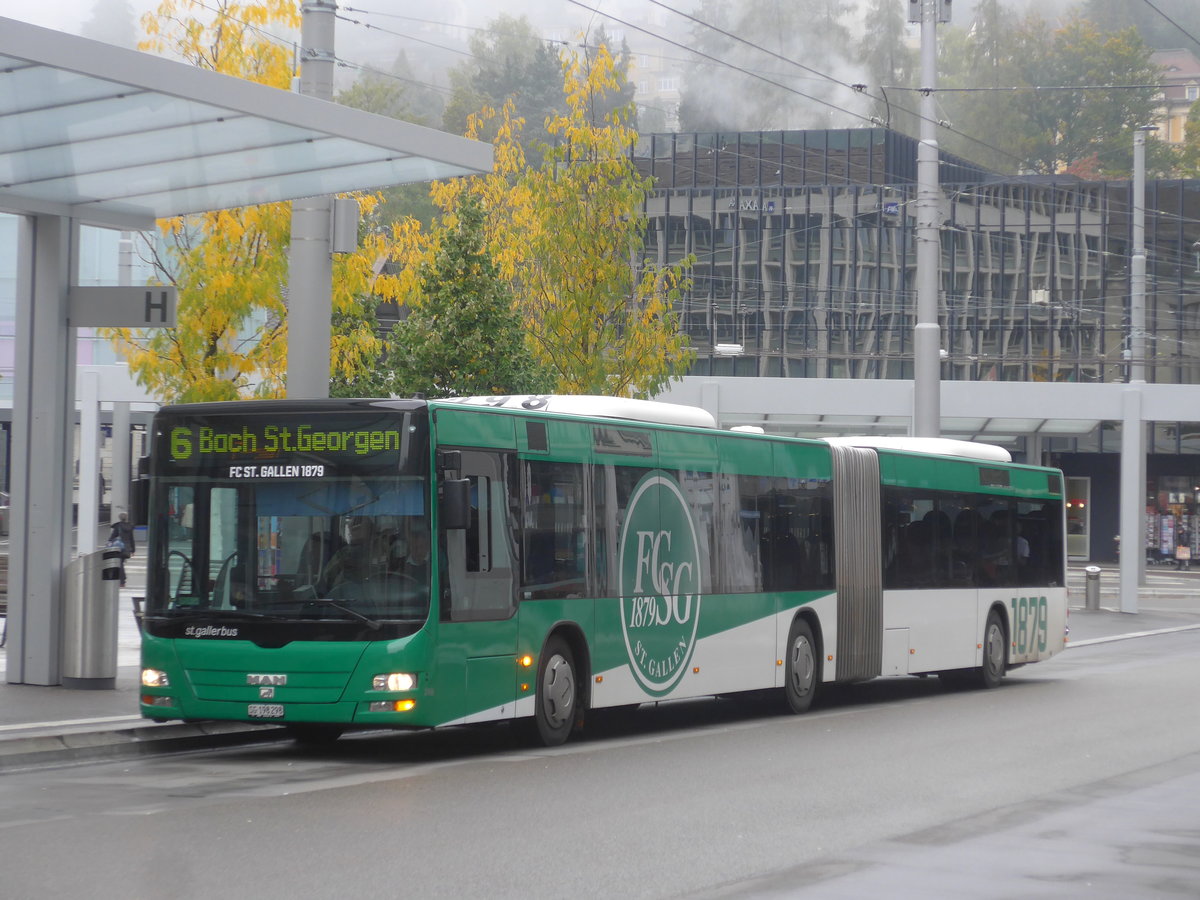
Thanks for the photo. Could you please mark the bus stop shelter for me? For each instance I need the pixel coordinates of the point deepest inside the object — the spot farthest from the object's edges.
(98, 135)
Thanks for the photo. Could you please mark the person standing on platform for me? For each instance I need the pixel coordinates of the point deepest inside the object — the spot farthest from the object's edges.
(122, 531)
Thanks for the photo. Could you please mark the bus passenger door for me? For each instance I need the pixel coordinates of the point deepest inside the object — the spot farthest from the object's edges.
(478, 629)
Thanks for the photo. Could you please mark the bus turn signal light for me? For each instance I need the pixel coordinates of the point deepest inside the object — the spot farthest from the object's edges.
(393, 705)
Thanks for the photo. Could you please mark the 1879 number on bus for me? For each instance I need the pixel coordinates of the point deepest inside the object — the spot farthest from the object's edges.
(1030, 624)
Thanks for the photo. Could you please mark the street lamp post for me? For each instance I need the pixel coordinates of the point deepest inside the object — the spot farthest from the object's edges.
(1133, 430)
(927, 391)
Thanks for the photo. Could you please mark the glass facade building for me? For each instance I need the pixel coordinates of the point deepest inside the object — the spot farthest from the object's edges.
(805, 260)
(805, 254)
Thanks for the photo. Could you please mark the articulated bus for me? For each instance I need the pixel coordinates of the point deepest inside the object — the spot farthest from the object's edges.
(371, 564)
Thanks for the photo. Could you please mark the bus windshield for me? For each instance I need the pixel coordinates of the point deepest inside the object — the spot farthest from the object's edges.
(309, 534)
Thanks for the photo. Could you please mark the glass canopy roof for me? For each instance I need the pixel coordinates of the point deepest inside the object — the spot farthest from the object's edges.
(116, 137)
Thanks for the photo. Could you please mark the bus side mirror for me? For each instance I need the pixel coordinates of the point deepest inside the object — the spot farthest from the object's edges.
(455, 512)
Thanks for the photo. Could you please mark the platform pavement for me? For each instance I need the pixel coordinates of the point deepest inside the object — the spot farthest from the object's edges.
(56, 725)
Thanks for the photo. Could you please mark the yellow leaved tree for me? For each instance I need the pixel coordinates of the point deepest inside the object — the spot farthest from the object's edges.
(230, 266)
(568, 235)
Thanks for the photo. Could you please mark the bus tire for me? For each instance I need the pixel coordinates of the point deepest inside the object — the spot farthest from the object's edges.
(802, 669)
(557, 701)
(314, 735)
(995, 651)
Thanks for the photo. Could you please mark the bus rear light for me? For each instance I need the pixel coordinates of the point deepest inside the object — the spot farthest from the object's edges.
(155, 678)
(394, 681)
(392, 705)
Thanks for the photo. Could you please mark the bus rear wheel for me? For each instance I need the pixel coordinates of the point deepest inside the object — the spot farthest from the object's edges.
(557, 701)
(995, 655)
(802, 671)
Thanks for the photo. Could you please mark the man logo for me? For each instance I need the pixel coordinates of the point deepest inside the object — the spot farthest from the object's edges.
(660, 583)
(275, 680)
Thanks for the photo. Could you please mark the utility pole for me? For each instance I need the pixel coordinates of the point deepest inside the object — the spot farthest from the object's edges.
(310, 270)
(1133, 429)
(1137, 264)
(927, 341)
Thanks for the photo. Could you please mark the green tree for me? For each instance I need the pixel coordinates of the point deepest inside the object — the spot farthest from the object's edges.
(463, 336)
(567, 233)
(509, 62)
(1049, 98)
(398, 95)
(1066, 126)
(1167, 25)
(1189, 156)
(977, 68)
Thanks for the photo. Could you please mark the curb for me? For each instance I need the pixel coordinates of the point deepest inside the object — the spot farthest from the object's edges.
(37, 751)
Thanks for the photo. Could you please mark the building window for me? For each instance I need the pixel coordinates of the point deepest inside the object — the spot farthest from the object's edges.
(1193, 91)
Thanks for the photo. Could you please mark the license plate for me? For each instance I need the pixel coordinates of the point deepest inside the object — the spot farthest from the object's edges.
(265, 710)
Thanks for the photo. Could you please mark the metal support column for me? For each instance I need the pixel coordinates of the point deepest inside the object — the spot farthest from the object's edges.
(43, 423)
(1133, 497)
(122, 452)
(927, 340)
(310, 270)
(88, 503)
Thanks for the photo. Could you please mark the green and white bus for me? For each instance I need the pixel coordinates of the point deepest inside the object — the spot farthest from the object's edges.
(349, 564)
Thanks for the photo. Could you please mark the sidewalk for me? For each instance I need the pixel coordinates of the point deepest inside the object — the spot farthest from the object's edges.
(51, 725)
(46, 725)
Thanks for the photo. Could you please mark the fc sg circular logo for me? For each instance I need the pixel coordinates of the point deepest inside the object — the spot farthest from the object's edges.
(660, 583)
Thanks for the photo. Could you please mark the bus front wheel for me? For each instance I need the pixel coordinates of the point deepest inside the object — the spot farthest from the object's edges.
(557, 699)
(802, 672)
(995, 641)
(314, 735)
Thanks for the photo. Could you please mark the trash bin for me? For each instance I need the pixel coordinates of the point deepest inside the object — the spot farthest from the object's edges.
(90, 621)
(1092, 587)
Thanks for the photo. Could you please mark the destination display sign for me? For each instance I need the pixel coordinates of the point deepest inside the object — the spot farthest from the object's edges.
(191, 441)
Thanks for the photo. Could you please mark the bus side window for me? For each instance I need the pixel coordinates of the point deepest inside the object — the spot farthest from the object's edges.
(554, 541)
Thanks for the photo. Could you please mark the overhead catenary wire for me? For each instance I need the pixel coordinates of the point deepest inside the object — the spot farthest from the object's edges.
(1191, 37)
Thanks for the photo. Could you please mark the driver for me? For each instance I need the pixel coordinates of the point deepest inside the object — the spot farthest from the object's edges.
(360, 559)
(416, 563)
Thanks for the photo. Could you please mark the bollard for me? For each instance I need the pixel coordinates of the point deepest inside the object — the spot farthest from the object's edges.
(1092, 587)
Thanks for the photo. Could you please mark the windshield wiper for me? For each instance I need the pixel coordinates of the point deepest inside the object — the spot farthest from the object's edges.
(207, 613)
(369, 622)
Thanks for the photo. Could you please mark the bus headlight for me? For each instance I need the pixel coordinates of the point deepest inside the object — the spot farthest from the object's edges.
(394, 681)
(155, 678)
